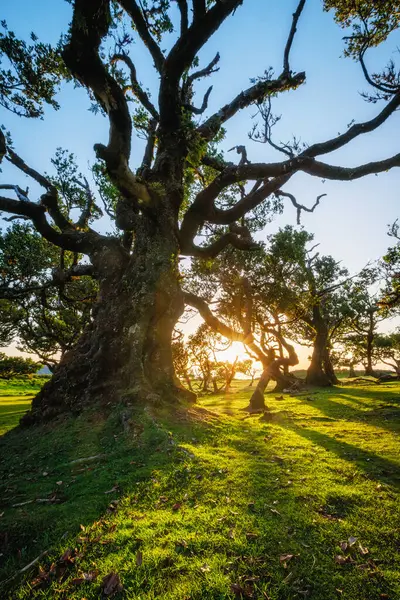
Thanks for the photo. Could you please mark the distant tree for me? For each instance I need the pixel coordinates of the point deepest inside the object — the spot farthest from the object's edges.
(44, 306)
(390, 297)
(366, 315)
(248, 307)
(387, 347)
(15, 366)
(314, 290)
(183, 186)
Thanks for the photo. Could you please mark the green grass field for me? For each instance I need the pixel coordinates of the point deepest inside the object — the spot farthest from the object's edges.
(208, 503)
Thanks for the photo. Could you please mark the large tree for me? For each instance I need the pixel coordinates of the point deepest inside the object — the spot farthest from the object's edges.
(182, 187)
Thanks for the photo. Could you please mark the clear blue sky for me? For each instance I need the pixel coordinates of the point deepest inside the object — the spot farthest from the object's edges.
(351, 222)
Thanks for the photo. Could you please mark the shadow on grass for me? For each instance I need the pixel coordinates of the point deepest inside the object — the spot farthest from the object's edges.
(237, 511)
(374, 466)
(382, 407)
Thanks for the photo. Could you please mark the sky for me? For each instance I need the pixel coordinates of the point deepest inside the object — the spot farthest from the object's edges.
(351, 221)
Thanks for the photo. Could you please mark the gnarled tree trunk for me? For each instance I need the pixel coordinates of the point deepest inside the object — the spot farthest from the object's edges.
(316, 374)
(126, 351)
(328, 367)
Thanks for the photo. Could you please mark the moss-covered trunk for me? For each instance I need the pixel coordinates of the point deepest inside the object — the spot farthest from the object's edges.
(126, 351)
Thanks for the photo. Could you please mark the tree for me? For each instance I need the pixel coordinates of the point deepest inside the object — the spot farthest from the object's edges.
(15, 366)
(44, 307)
(182, 187)
(388, 350)
(313, 292)
(249, 307)
(390, 264)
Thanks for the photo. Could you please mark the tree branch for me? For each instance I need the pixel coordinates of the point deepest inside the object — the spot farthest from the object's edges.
(183, 7)
(293, 29)
(132, 8)
(136, 88)
(298, 206)
(255, 93)
(90, 23)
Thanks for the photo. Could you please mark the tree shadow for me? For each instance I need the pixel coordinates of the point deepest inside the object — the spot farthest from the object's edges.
(374, 466)
(386, 414)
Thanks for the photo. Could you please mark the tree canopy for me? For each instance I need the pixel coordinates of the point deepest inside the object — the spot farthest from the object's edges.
(185, 198)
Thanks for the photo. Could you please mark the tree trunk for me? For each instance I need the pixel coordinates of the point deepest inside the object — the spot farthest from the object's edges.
(352, 372)
(257, 401)
(328, 368)
(369, 369)
(125, 353)
(316, 374)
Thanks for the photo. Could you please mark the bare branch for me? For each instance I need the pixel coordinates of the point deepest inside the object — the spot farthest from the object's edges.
(132, 8)
(293, 29)
(255, 93)
(354, 131)
(243, 152)
(204, 106)
(298, 206)
(74, 241)
(208, 70)
(183, 7)
(135, 86)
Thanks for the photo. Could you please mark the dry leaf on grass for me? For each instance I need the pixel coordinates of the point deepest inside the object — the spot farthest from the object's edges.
(112, 584)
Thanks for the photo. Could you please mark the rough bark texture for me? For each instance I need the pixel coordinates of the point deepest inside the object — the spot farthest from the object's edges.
(126, 351)
(316, 374)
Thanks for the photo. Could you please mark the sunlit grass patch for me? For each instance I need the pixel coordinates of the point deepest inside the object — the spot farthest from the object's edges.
(213, 504)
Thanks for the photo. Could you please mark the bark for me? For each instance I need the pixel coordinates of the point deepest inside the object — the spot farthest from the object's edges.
(352, 372)
(272, 370)
(328, 368)
(369, 369)
(126, 351)
(316, 373)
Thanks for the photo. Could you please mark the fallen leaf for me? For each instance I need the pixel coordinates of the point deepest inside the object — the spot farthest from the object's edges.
(341, 560)
(139, 558)
(176, 506)
(115, 488)
(205, 568)
(352, 540)
(58, 482)
(231, 535)
(285, 557)
(67, 557)
(343, 546)
(112, 584)
(363, 551)
(251, 536)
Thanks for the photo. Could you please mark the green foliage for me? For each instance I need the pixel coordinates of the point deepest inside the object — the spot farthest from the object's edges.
(15, 366)
(30, 74)
(42, 311)
(371, 22)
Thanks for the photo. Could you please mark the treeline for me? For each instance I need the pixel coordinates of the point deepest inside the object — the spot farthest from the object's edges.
(282, 293)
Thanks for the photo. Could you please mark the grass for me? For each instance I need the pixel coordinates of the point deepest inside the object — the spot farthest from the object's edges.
(15, 399)
(205, 504)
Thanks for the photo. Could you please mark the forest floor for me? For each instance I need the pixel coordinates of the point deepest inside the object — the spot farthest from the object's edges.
(205, 503)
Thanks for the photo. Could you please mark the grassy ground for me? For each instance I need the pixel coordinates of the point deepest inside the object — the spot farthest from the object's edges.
(210, 503)
(15, 399)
